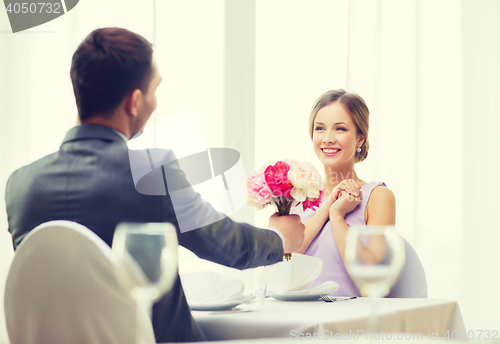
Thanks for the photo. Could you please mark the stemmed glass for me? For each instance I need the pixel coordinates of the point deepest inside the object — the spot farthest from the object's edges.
(147, 255)
(374, 258)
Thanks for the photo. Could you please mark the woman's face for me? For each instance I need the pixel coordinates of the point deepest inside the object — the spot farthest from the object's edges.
(335, 137)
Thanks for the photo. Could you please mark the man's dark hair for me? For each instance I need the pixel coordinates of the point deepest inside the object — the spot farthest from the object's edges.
(109, 64)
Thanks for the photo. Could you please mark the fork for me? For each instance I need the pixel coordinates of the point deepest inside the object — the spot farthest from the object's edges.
(333, 299)
(326, 298)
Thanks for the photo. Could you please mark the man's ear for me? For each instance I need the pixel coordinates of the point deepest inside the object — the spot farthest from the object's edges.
(133, 102)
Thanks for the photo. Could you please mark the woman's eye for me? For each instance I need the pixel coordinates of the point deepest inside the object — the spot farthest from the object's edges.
(318, 128)
(341, 129)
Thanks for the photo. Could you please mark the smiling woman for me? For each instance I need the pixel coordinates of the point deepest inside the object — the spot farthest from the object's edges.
(338, 127)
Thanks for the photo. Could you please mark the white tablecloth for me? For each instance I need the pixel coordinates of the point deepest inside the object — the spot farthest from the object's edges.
(279, 319)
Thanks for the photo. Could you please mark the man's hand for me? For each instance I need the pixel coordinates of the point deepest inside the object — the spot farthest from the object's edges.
(291, 228)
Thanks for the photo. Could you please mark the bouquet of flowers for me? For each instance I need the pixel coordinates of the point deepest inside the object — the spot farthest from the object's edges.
(285, 184)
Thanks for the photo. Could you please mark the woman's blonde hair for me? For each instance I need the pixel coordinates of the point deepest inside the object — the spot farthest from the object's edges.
(355, 106)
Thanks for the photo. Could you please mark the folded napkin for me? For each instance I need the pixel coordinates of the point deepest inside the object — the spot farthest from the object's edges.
(293, 276)
(211, 288)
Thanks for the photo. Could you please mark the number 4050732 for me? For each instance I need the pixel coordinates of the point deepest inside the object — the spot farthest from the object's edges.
(33, 7)
(471, 335)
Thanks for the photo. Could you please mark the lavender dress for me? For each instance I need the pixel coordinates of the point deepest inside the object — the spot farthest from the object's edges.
(411, 283)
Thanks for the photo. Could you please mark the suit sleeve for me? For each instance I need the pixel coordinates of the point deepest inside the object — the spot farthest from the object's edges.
(222, 240)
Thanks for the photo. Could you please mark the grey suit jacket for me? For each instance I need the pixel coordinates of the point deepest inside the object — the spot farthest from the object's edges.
(89, 181)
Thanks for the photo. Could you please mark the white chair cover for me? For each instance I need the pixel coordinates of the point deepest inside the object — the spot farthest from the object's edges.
(65, 286)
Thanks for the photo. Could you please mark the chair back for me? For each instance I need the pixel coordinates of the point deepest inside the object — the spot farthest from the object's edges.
(65, 286)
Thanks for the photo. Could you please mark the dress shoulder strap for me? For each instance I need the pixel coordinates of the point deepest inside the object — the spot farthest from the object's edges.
(357, 216)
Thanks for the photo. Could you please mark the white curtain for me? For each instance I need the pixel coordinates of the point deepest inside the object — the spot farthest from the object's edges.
(430, 74)
(479, 253)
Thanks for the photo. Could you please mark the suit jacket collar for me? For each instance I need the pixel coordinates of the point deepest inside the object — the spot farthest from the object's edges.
(93, 131)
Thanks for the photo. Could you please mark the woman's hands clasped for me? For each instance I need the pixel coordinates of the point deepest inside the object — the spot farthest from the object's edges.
(345, 197)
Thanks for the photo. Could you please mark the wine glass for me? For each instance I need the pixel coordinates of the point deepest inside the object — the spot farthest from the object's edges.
(147, 256)
(374, 258)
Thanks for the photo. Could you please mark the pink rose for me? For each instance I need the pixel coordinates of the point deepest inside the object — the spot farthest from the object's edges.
(257, 190)
(277, 179)
(313, 203)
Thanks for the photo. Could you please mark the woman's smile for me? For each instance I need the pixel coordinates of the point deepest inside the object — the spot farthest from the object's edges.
(330, 151)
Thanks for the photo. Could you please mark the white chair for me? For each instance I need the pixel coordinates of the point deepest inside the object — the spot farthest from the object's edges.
(65, 286)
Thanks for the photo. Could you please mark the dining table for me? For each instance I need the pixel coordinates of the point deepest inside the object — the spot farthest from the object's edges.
(401, 319)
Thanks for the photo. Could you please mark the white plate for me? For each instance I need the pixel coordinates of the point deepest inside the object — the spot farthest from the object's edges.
(295, 297)
(214, 307)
